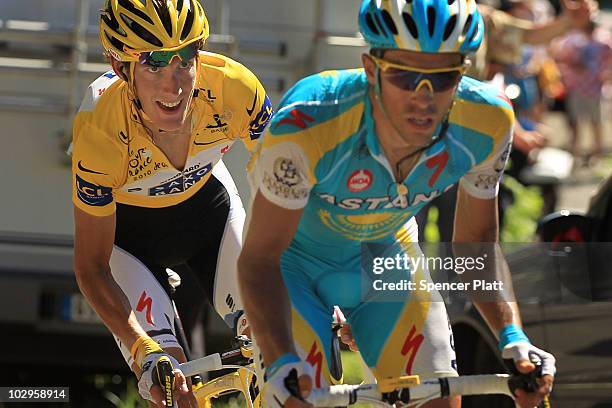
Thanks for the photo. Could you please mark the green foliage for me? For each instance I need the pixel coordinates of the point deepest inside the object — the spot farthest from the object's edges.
(521, 218)
(351, 368)
(432, 233)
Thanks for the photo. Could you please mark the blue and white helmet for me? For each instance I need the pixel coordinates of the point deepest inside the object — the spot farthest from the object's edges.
(432, 26)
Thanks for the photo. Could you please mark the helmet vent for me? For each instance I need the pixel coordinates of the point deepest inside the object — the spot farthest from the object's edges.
(389, 21)
(161, 7)
(380, 25)
(450, 2)
(188, 24)
(473, 34)
(466, 27)
(179, 6)
(408, 1)
(450, 26)
(141, 31)
(411, 25)
(115, 42)
(431, 20)
(370, 23)
(126, 4)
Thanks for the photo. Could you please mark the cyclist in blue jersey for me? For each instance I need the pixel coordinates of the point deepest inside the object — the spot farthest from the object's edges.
(348, 160)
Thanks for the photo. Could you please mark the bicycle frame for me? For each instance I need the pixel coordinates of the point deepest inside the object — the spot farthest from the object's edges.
(240, 380)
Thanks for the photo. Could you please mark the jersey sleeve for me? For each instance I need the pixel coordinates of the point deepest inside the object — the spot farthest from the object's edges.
(253, 104)
(282, 167)
(95, 163)
(482, 180)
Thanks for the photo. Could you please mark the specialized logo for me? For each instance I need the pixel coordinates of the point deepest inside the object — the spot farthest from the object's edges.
(359, 180)
(315, 359)
(146, 302)
(181, 183)
(259, 123)
(86, 170)
(229, 301)
(224, 149)
(93, 194)
(297, 119)
(439, 162)
(411, 347)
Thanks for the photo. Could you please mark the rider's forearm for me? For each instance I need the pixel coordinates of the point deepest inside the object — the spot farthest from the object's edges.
(499, 314)
(498, 307)
(267, 306)
(109, 302)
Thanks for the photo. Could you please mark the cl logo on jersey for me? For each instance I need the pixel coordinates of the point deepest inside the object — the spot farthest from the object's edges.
(92, 194)
(359, 180)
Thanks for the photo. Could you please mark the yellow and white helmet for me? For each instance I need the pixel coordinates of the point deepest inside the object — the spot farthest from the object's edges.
(130, 27)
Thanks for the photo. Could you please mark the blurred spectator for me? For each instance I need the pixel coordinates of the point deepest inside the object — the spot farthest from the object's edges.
(505, 36)
(584, 59)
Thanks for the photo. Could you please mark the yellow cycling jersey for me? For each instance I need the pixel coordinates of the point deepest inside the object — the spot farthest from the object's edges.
(115, 160)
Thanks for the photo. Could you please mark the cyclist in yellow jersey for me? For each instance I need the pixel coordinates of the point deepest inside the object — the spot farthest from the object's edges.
(347, 161)
(150, 190)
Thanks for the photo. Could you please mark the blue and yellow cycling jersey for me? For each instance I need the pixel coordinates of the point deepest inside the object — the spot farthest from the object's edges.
(321, 153)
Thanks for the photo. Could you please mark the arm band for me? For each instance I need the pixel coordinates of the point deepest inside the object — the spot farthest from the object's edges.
(142, 347)
(282, 360)
(511, 334)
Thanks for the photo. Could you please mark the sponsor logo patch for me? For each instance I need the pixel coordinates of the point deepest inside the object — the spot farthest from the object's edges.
(181, 183)
(93, 194)
(285, 180)
(359, 180)
(298, 119)
(258, 124)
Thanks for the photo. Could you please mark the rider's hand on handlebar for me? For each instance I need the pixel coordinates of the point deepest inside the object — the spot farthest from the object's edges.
(150, 357)
(288, 381)
(524, 355)
(146, 387)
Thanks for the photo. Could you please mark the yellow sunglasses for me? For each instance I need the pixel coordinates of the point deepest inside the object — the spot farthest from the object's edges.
(412, 78)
